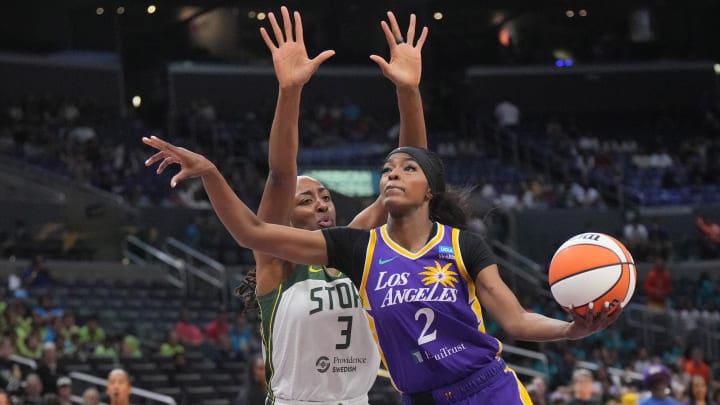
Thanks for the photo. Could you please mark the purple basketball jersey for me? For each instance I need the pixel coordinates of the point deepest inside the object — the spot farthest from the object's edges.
(424, 312)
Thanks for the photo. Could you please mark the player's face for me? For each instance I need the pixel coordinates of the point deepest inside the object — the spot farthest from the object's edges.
(403, 182)
(118, 386)
(314, 208)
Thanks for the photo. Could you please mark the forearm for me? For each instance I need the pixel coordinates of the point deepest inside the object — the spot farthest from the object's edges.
(412, 117)
(295, 245)
(238, 219)
(534, 327)
(283, 145)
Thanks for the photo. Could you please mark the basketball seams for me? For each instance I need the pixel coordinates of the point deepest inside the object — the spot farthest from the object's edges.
(577, 273)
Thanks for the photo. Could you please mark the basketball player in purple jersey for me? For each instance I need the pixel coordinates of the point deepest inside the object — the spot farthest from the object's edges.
(422, 279)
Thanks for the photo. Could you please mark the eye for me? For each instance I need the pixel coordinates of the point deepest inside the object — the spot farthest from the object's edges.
(326, 198)
(410, 168)
(385, 170)
(305, 201)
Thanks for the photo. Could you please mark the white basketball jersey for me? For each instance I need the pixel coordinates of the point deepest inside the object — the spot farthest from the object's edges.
(318, 346)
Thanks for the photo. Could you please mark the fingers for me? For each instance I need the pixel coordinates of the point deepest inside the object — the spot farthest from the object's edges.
(411, 30)
(423, 36)
(154, 158)
(178, 178)
(394, 25)
(165, 163)
(276, 29)
(298, 28)
(287, 24)
(388, 34)
(266, 37)
(322, 57)
(380, 61)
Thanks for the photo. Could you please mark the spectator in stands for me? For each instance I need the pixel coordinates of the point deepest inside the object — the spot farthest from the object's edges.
(710, 229)
(64, 390)
(255, 391)
(45, 311)
(218, 326)
(696, 364)
(37, 275)
(658, 284)
(241, 336)
(657, 380)
(91, 396)
(119, 387)
(698, 393)
(172, 345)
(92, 334)
(33, 389)
(10, 374)
(49, 369)
(50, 399)
(539, 386)
(507, 114)
(4, 398)
(582, 386)
(30, 345)
(189, 333)
(660, 244)
(635, 236)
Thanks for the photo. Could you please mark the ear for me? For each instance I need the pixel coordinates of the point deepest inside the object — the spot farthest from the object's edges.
(428, 194)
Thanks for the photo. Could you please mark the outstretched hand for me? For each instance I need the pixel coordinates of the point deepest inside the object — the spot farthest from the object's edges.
(292, 65)
(191, 163)
(589, 323)
(405, 65)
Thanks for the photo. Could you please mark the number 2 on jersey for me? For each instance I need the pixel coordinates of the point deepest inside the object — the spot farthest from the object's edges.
(426, 337)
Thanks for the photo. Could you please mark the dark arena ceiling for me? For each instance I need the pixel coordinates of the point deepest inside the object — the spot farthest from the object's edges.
(462, 32)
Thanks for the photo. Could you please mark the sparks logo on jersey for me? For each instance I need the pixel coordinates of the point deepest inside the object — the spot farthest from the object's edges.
(446, 252)
(439, 284)
(439, 275)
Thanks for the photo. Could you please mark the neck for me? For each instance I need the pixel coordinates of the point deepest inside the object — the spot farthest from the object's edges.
(410, 231)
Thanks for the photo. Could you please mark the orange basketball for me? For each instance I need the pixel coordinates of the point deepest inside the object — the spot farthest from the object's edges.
(592, 267)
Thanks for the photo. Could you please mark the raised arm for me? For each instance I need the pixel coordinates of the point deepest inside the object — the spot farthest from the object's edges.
(295, 245)
(502, 304)
(293, 69)
(405, 70)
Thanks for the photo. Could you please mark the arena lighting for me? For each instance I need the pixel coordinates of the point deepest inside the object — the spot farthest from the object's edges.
(252, 14)
(99, 11)
(438, 15)
(151, 9)
(716, 68)
(583, 13)
(261, 16)
(120, 10)
(136, 101)
(570, 14)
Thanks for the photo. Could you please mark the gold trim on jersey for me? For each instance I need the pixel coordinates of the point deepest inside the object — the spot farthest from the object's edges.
(402, 251)
(366, 303)
(366, 270)
(472, 296)
(268, 341)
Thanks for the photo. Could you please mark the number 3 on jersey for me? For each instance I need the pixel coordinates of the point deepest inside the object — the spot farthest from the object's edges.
(429, 315)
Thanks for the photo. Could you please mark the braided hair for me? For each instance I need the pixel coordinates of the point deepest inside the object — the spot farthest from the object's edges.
(245, 290)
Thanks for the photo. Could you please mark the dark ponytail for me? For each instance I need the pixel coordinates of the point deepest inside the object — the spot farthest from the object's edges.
(451, 207)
